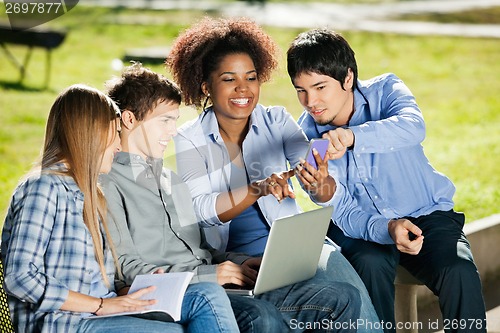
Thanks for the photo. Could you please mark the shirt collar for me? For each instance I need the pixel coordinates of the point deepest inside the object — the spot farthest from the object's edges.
(68, 182)
(211, 126)
(131, 158)
(126, 158)
(359, 104)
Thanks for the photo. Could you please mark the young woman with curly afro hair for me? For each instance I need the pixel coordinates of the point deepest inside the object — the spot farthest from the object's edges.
(198, 51)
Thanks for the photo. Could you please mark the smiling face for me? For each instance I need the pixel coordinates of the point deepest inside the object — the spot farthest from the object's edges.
(150, 137)
(323, 97)
(113, 146)
(234, 87)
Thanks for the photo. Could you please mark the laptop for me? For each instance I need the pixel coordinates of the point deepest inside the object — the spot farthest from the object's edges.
(292, 252)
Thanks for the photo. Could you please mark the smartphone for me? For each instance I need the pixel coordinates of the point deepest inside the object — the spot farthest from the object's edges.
(321, 146)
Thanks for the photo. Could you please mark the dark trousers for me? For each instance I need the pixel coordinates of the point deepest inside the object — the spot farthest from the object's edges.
(444, 264)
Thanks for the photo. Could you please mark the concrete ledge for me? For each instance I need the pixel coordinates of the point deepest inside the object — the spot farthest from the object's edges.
(405, 302)
(484, 238)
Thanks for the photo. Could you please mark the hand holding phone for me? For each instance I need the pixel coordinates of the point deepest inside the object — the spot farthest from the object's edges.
(321, 146)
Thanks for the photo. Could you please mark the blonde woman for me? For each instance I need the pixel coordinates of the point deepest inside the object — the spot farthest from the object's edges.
(58, 257)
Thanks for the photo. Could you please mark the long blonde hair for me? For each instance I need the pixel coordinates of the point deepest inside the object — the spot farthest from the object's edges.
(77, 135)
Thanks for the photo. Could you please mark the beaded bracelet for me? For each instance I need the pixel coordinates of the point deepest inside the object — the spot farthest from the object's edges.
(99, 308)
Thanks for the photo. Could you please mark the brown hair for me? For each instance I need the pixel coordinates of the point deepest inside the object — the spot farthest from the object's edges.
(197, 52)
(139, 90)
(76, 134)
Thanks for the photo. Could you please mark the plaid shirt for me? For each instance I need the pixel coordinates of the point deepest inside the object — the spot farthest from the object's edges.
(47, 250)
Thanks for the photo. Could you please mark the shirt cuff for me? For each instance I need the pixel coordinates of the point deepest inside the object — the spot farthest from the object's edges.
(238, 258)
(359, 146)
(205, 273)
(382, 235)
(53, 298)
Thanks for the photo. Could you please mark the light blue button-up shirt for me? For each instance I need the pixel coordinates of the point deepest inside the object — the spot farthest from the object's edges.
(274, 142)
(386, 175)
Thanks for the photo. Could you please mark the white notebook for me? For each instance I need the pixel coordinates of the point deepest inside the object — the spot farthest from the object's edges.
(169, 293)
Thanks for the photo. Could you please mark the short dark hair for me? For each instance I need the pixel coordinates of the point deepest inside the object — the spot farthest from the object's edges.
(324, 52)
(139, 90)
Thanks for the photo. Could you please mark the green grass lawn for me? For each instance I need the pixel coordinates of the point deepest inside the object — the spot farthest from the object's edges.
(455, 81)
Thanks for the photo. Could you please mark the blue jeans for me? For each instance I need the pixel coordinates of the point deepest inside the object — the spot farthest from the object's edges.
(334, 267)
(257, 316)
(205, 307)
(316, 306)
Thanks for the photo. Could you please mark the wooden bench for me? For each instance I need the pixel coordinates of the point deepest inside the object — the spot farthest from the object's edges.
(148, 55)
(34, 37)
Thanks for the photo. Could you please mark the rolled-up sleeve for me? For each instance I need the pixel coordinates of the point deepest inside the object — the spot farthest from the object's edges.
(197, 178)
(32, 222)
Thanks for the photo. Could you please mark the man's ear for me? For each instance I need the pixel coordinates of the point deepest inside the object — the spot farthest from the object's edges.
(349, 79)
(128, 119)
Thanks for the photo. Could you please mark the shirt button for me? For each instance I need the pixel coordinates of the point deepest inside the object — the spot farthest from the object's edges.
(362, 148)
(392, 148)
(366, 179)
(178, 234)
(376, 197)
(197, 257)
(358, 155)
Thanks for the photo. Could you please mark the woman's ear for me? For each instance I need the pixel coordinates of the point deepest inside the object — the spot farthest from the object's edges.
(128, 119)
(204, 89)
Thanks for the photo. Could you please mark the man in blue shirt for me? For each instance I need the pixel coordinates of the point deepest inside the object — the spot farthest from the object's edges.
(391, 206)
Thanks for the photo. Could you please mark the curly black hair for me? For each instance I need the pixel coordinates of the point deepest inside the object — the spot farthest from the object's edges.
(197, 52)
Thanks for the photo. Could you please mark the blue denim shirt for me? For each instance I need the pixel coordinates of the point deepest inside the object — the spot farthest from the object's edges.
(386, 175)
(47, 250)
(274, 142)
